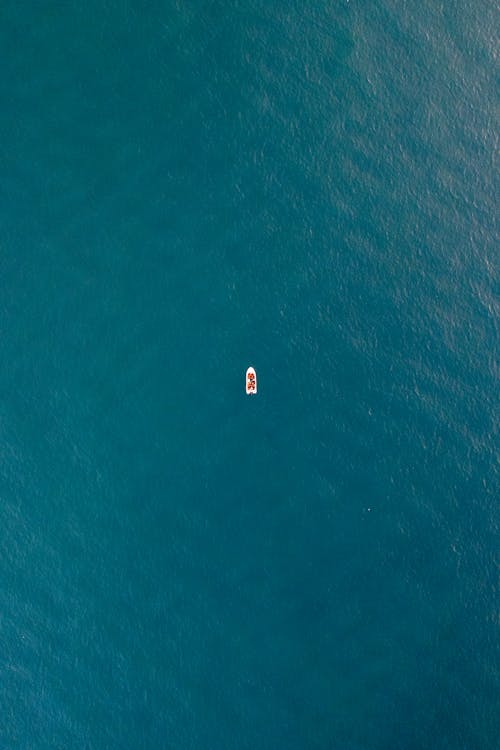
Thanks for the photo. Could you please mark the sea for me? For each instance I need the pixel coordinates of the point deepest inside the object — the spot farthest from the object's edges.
(188, 188)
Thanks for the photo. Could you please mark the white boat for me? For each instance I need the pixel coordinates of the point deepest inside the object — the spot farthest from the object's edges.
(251, 382)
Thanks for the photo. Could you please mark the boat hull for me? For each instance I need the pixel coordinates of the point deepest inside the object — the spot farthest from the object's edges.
(251, 382)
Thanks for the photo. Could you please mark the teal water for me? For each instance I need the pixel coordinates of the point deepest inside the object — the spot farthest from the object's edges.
(188, 188)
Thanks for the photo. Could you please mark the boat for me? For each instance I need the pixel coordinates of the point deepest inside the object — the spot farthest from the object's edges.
(251, 382)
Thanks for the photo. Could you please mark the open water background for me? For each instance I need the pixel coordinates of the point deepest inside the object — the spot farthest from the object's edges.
(187, 188)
